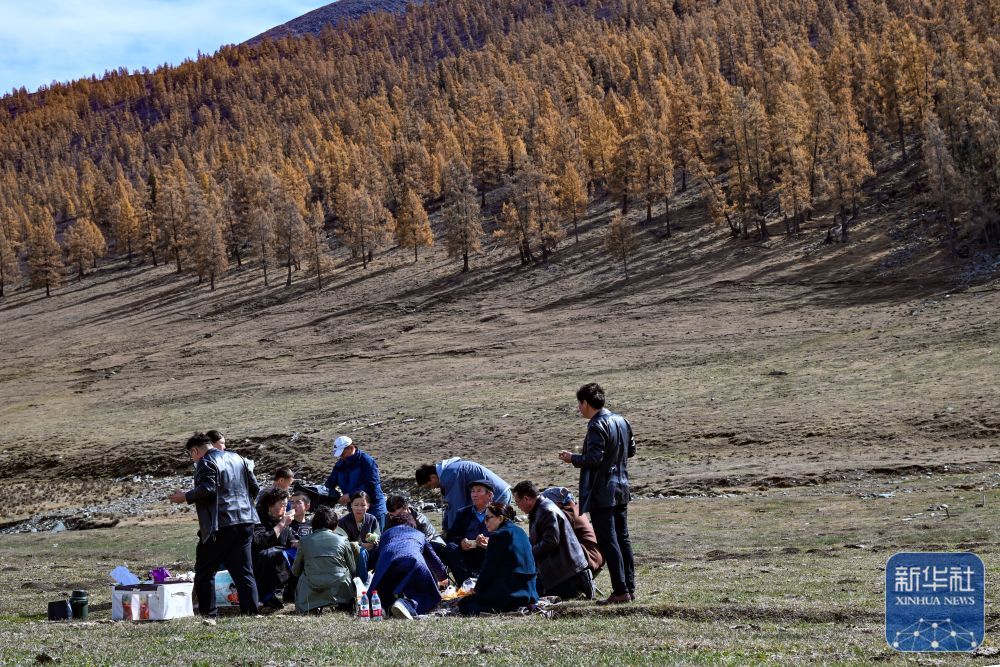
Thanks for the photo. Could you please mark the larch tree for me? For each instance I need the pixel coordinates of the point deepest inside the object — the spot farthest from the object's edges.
(413, 226)
(292, 233)
(171, 214)
(123, 217)
(463, 222)
(263, 221)
(10, 246)
(84, 244)
(849, 164)
(205, 208)
(316, 244)
(571, 195)
(45, 262)
(619, 239)
(943, 179)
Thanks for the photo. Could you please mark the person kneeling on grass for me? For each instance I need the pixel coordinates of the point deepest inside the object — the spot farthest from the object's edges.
(325, 565)
(582, 527)
(409, 573)
(270, 539)
(561, 561)
(507, 577)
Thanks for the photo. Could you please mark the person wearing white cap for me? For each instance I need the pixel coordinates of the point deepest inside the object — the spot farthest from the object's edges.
(356, 471)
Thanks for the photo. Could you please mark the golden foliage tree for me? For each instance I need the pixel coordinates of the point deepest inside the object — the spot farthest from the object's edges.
(84, 244)
(45, 262)
(619, 239)
(413, 226)
(463, 222)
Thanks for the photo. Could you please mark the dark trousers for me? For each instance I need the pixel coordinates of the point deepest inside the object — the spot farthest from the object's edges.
(230, 546)
(611, 529)
(267, 568)
(579, 585)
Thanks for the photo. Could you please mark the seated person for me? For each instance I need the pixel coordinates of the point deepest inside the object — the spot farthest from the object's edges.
(363, 528)
(453, 477)
(409, 574)
(561, 561)
(468, 535)
(507, 578)
(283, 479)
(582, 527)
(270, 539)
(325, 566)
(301, 524)
(300, 527)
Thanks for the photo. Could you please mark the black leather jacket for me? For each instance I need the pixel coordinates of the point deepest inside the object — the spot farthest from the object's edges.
(557, 552)
(603, 463)
(224, 491)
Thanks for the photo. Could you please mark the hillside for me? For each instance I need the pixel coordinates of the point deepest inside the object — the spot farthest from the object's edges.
(312, 23)
(741, 363)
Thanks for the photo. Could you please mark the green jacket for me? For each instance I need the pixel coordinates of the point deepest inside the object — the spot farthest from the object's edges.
(326, 565)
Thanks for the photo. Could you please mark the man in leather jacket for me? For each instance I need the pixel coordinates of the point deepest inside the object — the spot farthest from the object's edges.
(223, 494)
(604, 487)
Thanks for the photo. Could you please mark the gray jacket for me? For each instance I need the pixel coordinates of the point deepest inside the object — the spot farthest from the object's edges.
(224, 492)
(603, 463)
(558, 554)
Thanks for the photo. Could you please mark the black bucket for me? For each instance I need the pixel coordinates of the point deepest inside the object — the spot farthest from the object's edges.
(60, 610)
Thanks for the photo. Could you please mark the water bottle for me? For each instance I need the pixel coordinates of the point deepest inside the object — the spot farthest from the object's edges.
(363, 611)
(376, 607)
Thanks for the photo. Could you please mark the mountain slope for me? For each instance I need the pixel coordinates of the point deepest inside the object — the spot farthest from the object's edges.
(331, 14)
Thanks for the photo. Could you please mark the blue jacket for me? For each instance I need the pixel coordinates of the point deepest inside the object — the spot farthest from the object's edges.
(603, 463)
(359, 473)
(455, 475)
(507, 578)
(223, 493)
(408, 567)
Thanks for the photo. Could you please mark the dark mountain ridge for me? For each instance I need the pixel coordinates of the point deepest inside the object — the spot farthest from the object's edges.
(312, 23)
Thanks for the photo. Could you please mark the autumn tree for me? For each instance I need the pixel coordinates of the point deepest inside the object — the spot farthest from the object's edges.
(943, 178)
(571, 196)
(10, 245)
(123, 218)
(84, 244)
(463, 222)
(619, 240)
(316, 244)
(45, 263)
(413, 227)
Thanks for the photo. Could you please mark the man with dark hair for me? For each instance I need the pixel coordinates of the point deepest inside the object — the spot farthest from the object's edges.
(604, 486)
(223, 493)
(270, 539)
(284, 478)
(453, 476)
(561, 561)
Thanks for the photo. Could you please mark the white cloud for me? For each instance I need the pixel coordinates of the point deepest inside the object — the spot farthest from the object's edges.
(61, 40)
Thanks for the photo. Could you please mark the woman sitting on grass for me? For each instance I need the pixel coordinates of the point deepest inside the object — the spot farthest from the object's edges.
(507, 577)
(363, 528)
(326, 566)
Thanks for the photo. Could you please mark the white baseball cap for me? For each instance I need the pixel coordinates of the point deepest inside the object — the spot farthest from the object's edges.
(341, 443)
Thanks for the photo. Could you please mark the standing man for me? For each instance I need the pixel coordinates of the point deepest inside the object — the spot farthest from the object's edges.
(453, 476)
(604, 488)
(223, 493)
(356, 471)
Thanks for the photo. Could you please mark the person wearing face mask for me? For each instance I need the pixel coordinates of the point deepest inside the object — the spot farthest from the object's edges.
(507, 577)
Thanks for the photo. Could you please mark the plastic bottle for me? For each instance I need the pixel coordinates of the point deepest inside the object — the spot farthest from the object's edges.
(364, 614)
(376, 607)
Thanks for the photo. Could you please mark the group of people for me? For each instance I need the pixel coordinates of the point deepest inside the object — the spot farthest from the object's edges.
(276, 554)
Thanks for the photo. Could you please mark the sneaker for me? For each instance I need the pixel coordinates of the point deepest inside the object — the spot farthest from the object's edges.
(401, 610)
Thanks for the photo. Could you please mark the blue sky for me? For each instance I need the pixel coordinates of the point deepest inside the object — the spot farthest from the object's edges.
(60, 40)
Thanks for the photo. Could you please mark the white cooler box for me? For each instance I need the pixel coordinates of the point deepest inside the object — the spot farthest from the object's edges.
(152, 602)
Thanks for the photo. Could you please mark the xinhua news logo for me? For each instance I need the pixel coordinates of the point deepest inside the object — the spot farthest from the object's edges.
(934, 602)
